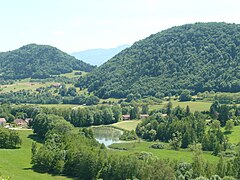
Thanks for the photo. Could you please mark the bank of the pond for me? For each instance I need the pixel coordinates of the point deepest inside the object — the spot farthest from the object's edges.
(107, 135)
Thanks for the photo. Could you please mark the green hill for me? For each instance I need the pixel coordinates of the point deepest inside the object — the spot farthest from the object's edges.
(38, 61)
(198, 57)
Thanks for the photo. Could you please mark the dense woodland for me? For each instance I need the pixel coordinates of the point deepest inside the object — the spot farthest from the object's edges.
(38, 62)
(198, 57)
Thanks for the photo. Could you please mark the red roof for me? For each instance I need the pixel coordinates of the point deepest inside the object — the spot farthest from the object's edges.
(3, 120)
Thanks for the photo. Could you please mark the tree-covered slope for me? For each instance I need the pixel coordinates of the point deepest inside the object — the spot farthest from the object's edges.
(38, 61)
(199, 57)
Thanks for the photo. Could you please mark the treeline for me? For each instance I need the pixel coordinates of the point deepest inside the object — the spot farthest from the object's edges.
(79, 117)
(9, 139)
(223, 113)
(181, 128)
(38, 62)
(47, 97)
(77, 154)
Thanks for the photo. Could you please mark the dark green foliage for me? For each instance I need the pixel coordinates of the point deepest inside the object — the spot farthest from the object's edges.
(179, 129)
(197, 57)
(9, 138)
(38, 62)
(79, 155)
(46, 96)
(185, 96)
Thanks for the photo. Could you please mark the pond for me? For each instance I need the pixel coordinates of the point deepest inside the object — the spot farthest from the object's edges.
(107, 135)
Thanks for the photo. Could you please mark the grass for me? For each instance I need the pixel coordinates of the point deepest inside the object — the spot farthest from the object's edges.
(17, 86)
(194, 105)
(59, 106)
(72, 74)
(127, 125)
(15, 163)
(234, 135)
(183, 155)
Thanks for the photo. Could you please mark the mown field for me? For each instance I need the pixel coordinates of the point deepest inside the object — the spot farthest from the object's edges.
(127, 125)
(194, 105)
(73, 75)
(143, 146)
(15, 163)
(17, 86)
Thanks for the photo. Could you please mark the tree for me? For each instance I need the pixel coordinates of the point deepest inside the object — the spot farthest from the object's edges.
(145, 109)
(134, 112)
(188, 111)
(223, 114)
(176, 141)
(185, 96)
(214, 109)
(9, 138)
(229, 125)
(169, 108)
(198, 164)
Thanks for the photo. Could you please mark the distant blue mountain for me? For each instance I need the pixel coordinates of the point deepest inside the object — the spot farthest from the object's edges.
(98, 56)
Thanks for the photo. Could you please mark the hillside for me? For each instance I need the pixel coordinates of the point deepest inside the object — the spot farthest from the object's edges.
(38, 61)
(98, 56)
(198, 57)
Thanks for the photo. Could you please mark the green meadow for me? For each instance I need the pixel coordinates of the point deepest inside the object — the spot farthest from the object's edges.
(142, 146)
(17, 86)
(194, 105)
(127, 125)
(15, 163)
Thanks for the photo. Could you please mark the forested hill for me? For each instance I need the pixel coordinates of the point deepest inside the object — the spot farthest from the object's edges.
(199, 57)
(38, 61)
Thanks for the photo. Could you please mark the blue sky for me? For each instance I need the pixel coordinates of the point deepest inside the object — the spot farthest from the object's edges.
(74, 25)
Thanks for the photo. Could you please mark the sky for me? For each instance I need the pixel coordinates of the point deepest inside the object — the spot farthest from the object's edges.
(76, 25)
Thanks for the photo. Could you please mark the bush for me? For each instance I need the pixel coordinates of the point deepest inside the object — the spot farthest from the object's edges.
(158, 146)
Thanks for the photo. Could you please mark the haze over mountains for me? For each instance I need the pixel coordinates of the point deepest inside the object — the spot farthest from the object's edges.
(198, 57)
(98, 56)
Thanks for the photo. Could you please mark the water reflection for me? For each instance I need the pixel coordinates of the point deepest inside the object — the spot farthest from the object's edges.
(107, 135)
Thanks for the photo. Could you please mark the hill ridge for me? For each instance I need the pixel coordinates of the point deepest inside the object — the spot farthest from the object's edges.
(198, 57)
(38, 61)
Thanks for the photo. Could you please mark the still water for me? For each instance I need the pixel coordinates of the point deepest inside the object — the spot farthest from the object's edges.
(107, 135)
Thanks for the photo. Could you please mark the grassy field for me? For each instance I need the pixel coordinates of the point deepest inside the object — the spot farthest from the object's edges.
(17, 86)
(15, 163)
(194, 105)
(60, 105)
(72, 74)
(181, 155)
(127, 125)
(234, 135)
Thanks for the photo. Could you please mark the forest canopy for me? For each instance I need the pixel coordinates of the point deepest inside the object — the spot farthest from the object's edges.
(38, 62)
(196, 57)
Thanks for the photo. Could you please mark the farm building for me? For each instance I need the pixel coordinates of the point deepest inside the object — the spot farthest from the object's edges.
(126, 117)
(20, 122)
(142, 116)
(2, 121)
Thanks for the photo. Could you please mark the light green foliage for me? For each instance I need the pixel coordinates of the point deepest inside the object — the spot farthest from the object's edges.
(9, 139)
(229, 125)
